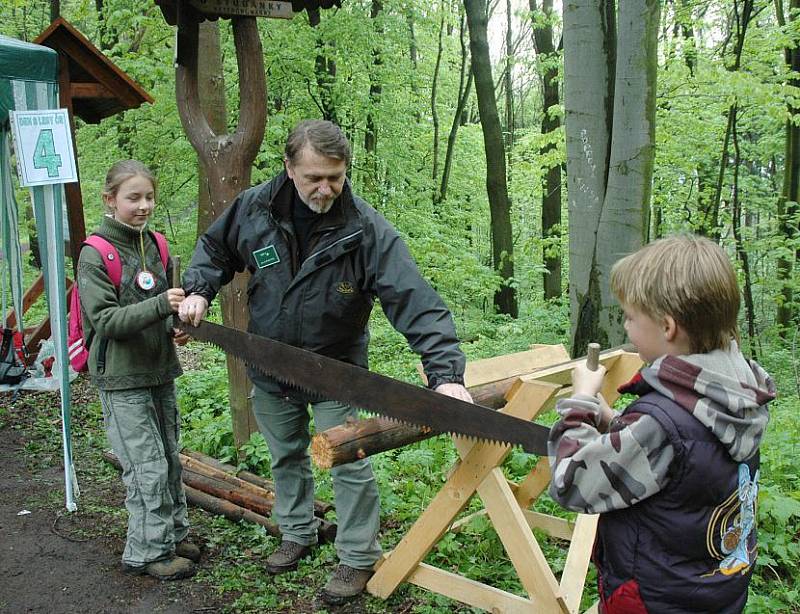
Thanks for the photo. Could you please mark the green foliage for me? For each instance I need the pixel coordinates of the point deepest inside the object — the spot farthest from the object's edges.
(451, 240)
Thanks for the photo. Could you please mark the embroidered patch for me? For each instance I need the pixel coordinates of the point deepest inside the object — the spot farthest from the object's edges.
(731, 524)
(345, 287)
(266, 256)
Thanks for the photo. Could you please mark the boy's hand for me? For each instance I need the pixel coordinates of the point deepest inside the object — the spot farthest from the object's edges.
(606, 413)
(175, 297)
(193, 309)
(585, 381)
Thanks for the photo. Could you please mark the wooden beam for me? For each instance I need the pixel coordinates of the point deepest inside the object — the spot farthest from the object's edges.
(573, 577)
(72, 191)
(560, 528)
(31, 295)
(469, 591)
(534, 483)
(90, 90)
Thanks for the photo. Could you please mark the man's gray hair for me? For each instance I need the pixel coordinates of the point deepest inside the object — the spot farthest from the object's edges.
(324, 137)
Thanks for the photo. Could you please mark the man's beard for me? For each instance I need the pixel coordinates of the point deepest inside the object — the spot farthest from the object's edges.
(319, 206)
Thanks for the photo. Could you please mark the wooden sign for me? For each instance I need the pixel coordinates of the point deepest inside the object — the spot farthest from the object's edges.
(43, 144)
(246, 8)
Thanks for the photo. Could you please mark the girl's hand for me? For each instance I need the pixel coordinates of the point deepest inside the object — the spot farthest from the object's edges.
(180, 337)
(175, 297)
(585, 381)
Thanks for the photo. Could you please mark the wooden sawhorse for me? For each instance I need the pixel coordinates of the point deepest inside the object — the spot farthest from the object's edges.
(506, 503)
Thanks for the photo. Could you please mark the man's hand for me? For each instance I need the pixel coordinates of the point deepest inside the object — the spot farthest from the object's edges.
(457, 391)
(586, 381)
(175, 297)
(193, 309)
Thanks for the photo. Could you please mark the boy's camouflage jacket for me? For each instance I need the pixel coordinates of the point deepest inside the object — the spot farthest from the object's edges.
(722, 389)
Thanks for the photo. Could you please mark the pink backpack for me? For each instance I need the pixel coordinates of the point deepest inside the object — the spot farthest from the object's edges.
(77, 347)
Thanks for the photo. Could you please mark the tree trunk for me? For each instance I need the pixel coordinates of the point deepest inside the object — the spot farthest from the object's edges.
(508, 76)
(325, 71)
(551, 196)
(375, 89)
(589, 63)
(505, 299)
(55, 9)
(741, 252)
(741, 21)
(626, 209)
(212, 83)
(463, 94)
(609, 95)
(227, 160)
(434, 109)
(790, 193)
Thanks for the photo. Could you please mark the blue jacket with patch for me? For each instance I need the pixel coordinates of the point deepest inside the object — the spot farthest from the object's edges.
(323, 302)
(692, 546)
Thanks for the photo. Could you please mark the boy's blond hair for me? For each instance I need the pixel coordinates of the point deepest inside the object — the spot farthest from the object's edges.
(688, 278)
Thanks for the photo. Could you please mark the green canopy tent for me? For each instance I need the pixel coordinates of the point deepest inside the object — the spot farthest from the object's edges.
(29, 81)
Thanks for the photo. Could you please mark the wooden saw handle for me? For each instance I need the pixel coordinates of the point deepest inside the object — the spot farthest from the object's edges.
(593, 356)
(176, 271)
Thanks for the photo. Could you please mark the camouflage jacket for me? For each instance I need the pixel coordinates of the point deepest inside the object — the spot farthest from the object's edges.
(595, 472)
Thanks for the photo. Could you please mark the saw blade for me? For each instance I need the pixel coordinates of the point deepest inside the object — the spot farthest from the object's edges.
(333, 379)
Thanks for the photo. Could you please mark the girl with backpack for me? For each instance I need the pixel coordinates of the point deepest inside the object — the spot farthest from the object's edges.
(127, 324)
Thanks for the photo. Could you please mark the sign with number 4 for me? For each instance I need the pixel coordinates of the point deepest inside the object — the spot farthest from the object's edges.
(43, 144)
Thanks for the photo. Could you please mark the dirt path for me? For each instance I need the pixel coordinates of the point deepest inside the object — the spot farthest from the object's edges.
(52, 562)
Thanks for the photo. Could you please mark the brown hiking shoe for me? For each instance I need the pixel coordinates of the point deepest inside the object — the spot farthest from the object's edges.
(345, 584)
(286, 557)
(188, 550)
(175, 568)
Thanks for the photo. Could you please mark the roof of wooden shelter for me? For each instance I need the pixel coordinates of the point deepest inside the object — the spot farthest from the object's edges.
(98, 87)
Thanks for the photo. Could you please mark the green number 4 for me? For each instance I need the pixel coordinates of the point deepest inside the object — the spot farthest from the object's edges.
(44, 154)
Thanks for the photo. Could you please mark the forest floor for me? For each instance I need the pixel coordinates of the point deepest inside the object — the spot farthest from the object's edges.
(55, 562)
(52, 561)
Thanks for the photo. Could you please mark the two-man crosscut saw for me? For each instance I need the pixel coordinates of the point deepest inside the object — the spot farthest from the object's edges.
(332, 379)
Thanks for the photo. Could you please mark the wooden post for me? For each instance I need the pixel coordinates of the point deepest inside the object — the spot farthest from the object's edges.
(227, 160)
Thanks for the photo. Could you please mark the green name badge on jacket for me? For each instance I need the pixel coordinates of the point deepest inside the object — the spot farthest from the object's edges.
(266, 256)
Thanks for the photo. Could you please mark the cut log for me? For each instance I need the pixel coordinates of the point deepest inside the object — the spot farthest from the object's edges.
(195, 465)
(356, 439)
(320, 507)
(229, 510)
(224, 490)
(228, 493)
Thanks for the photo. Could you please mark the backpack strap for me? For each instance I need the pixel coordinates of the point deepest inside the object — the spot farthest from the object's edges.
(163, 247)
(109, 255)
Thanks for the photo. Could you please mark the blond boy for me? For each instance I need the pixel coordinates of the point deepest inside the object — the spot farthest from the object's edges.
(674, 476)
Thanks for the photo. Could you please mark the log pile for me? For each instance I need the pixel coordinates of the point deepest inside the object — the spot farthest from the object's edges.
(237, 495)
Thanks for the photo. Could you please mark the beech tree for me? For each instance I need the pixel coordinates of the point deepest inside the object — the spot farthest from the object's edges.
(505, 299)
(610, 66)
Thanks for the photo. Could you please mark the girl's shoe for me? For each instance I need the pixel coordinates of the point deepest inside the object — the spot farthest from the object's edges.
(175, 568)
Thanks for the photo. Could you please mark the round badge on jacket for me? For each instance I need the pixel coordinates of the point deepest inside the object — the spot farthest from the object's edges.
(145, 280)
